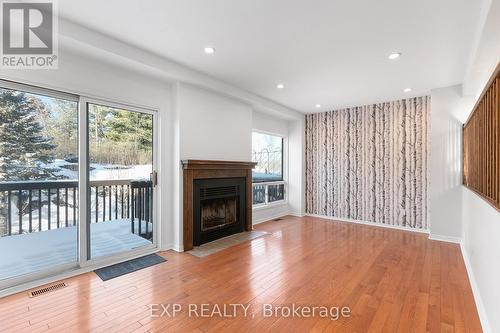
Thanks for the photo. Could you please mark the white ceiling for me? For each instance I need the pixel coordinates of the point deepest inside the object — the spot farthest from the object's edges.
(331, 52)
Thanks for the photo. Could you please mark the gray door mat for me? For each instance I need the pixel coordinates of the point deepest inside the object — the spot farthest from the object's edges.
(129, 266)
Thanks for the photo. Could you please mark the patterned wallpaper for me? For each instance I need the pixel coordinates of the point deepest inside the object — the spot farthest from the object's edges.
(370, 163)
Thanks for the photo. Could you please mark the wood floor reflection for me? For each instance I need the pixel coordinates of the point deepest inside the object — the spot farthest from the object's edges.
(392, 281)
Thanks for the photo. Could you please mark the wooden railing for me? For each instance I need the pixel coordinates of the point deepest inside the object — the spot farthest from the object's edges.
(32, 206)
(481, 144)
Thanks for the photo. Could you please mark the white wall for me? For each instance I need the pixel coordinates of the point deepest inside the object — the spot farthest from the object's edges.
(212, 126)
(267, 123)
(447, 108)
(482, 250)
(264, 214)
(296, 174)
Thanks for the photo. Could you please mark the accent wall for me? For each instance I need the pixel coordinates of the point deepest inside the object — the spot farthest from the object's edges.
(370, 163)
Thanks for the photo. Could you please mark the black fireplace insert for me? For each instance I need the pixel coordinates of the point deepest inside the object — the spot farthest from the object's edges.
(219, 208)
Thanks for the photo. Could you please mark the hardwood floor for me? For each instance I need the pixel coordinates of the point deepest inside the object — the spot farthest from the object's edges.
(392, 281)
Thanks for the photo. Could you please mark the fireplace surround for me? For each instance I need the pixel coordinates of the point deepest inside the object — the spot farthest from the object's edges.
(217, 199)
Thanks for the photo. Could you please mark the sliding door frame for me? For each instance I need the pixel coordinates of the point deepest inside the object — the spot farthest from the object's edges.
(82, 263)
(61, 268)
(85, 258)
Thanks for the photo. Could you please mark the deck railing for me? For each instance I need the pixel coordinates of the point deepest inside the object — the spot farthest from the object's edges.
(268, 192)
(33, 206)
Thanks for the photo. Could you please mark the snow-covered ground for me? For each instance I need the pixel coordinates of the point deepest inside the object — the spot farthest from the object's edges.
(103, 171)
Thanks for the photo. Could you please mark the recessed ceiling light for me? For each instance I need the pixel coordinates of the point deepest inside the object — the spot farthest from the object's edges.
(407, 89)
(280, 86)
(209, 50)
(395, 55)
(318, 105)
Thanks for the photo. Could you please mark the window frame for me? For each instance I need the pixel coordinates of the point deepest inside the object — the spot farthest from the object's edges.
(59, 268)
(30, 89)
(85, 257)
(284, 173)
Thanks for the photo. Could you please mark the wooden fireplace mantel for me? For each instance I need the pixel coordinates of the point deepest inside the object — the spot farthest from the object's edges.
(208, 164)
(206, 169)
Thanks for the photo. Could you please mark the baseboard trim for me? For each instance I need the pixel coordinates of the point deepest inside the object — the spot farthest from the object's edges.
(269, 218)
(483, 318)
(448, 239)
(373, 224)
(297, 214)
(178, 248)
(167, 247)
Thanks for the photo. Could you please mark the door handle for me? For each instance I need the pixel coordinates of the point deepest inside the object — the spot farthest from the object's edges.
(153, 177)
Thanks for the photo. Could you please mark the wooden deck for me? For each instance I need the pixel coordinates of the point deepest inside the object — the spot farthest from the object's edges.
(393, 281)
(38, 251)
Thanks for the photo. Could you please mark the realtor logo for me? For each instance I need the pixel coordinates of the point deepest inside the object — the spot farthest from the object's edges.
(28, 35)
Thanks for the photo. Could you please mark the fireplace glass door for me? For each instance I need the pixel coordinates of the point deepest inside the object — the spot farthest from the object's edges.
(218, 213)
(219, 206)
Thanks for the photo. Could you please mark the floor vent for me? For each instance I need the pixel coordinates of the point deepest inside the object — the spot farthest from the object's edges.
(45, 290)
(278, 219)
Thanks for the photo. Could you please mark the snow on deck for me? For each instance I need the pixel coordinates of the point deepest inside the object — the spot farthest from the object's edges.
(28, 253)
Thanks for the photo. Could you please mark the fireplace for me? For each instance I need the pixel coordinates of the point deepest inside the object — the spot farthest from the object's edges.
(217, 200)
(219, 208)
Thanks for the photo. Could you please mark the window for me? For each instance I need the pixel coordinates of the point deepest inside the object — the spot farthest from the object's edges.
(267, 176)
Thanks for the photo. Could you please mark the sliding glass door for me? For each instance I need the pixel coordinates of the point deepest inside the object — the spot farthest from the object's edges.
(77, 182)
(38, 181)
(121, 179)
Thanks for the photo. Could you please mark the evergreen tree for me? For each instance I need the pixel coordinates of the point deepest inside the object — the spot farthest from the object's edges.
(131, 133)
(132, 127)
(24, 149)
(62, 126)
(98, 125)
(119, 136)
